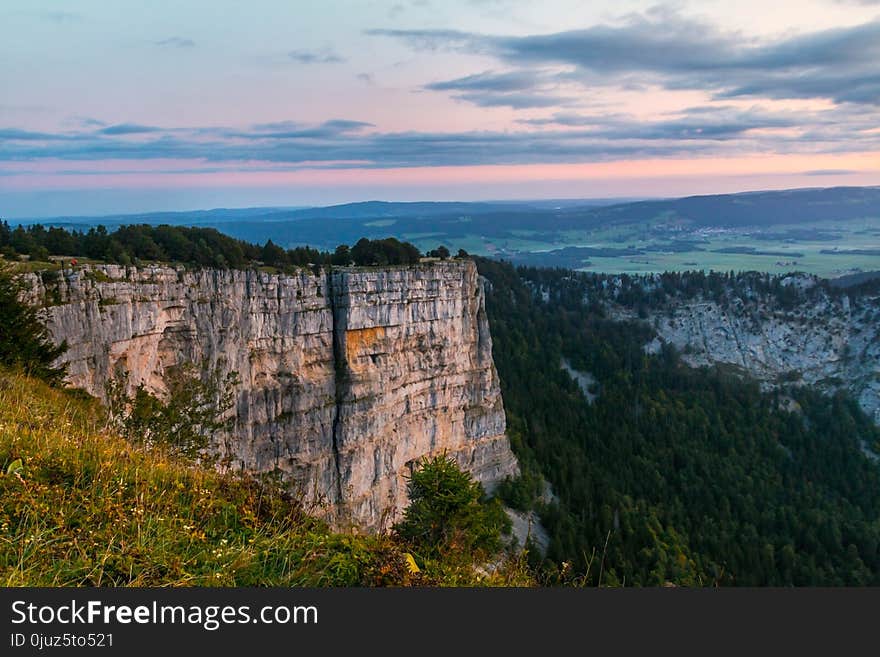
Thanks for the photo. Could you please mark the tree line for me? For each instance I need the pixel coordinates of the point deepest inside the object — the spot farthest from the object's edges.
(195, 247)
(657, 291)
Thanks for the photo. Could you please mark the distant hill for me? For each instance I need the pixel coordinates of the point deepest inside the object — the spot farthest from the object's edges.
(380, 209)
(761, 209)
(453, 221)
(362, 210)
(533, 232)
(210, 218)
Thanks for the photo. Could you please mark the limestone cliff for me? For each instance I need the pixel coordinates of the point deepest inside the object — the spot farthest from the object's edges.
(347, 377)
(832, 342)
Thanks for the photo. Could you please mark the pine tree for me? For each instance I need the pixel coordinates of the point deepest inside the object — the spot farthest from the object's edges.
(24, 340)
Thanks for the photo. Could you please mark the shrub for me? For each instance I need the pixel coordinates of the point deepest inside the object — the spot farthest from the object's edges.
(448, 514)
(24, 341)
(195, 409)
(388, 251)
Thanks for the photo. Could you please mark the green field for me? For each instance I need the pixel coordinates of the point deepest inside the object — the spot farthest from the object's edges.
(789, 254)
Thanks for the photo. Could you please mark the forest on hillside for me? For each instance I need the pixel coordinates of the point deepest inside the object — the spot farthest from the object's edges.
(659, 291)
(194, 247)
(673, 474)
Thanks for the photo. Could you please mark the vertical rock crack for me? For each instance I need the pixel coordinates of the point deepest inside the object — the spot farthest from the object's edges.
(339, 373)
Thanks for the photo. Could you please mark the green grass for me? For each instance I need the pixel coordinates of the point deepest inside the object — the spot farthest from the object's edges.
(90, 509)
(811, 261)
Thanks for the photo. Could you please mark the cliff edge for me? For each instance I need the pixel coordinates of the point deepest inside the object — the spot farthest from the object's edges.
(348, 376)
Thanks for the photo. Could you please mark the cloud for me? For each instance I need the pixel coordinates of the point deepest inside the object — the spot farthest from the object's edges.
(17, 135)
(325, 56)
(288, 130)
(513, 100)
(436, 39)
(830, 172)
(128, 129)
(176, 42)
(278, 125)
(345, 125)
(89, 122)
(520, 80)
(14, 134)
(561, 138)
(519, 89)
(664, 48)
(715, 123)
(562, 119)
(553, 76)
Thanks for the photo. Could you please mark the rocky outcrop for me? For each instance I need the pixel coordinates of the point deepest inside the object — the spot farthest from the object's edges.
(348, 377)
(831, 343)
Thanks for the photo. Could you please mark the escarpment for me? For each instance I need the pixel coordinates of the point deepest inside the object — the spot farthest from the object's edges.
(347, 377)
(830, 342)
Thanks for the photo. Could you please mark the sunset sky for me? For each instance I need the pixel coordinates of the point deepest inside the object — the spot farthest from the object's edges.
(124, 106)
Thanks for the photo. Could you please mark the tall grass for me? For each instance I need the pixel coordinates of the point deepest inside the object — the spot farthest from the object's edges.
(88, 508)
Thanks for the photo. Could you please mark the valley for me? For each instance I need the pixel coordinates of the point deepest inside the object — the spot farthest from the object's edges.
(724, 437)
(827, 232)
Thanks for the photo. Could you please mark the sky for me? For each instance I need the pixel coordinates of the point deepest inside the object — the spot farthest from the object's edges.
(115, 106)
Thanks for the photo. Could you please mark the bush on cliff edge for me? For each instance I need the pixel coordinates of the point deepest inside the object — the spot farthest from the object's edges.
(448, 518)
(24, 341)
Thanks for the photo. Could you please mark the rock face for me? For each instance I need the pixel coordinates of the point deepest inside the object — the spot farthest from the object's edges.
(833, 343)
(348, 377)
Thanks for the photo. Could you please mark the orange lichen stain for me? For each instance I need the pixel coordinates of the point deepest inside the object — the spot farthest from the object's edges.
(359, 343)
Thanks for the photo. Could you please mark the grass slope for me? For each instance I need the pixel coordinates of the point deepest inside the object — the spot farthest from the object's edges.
(88, 508)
